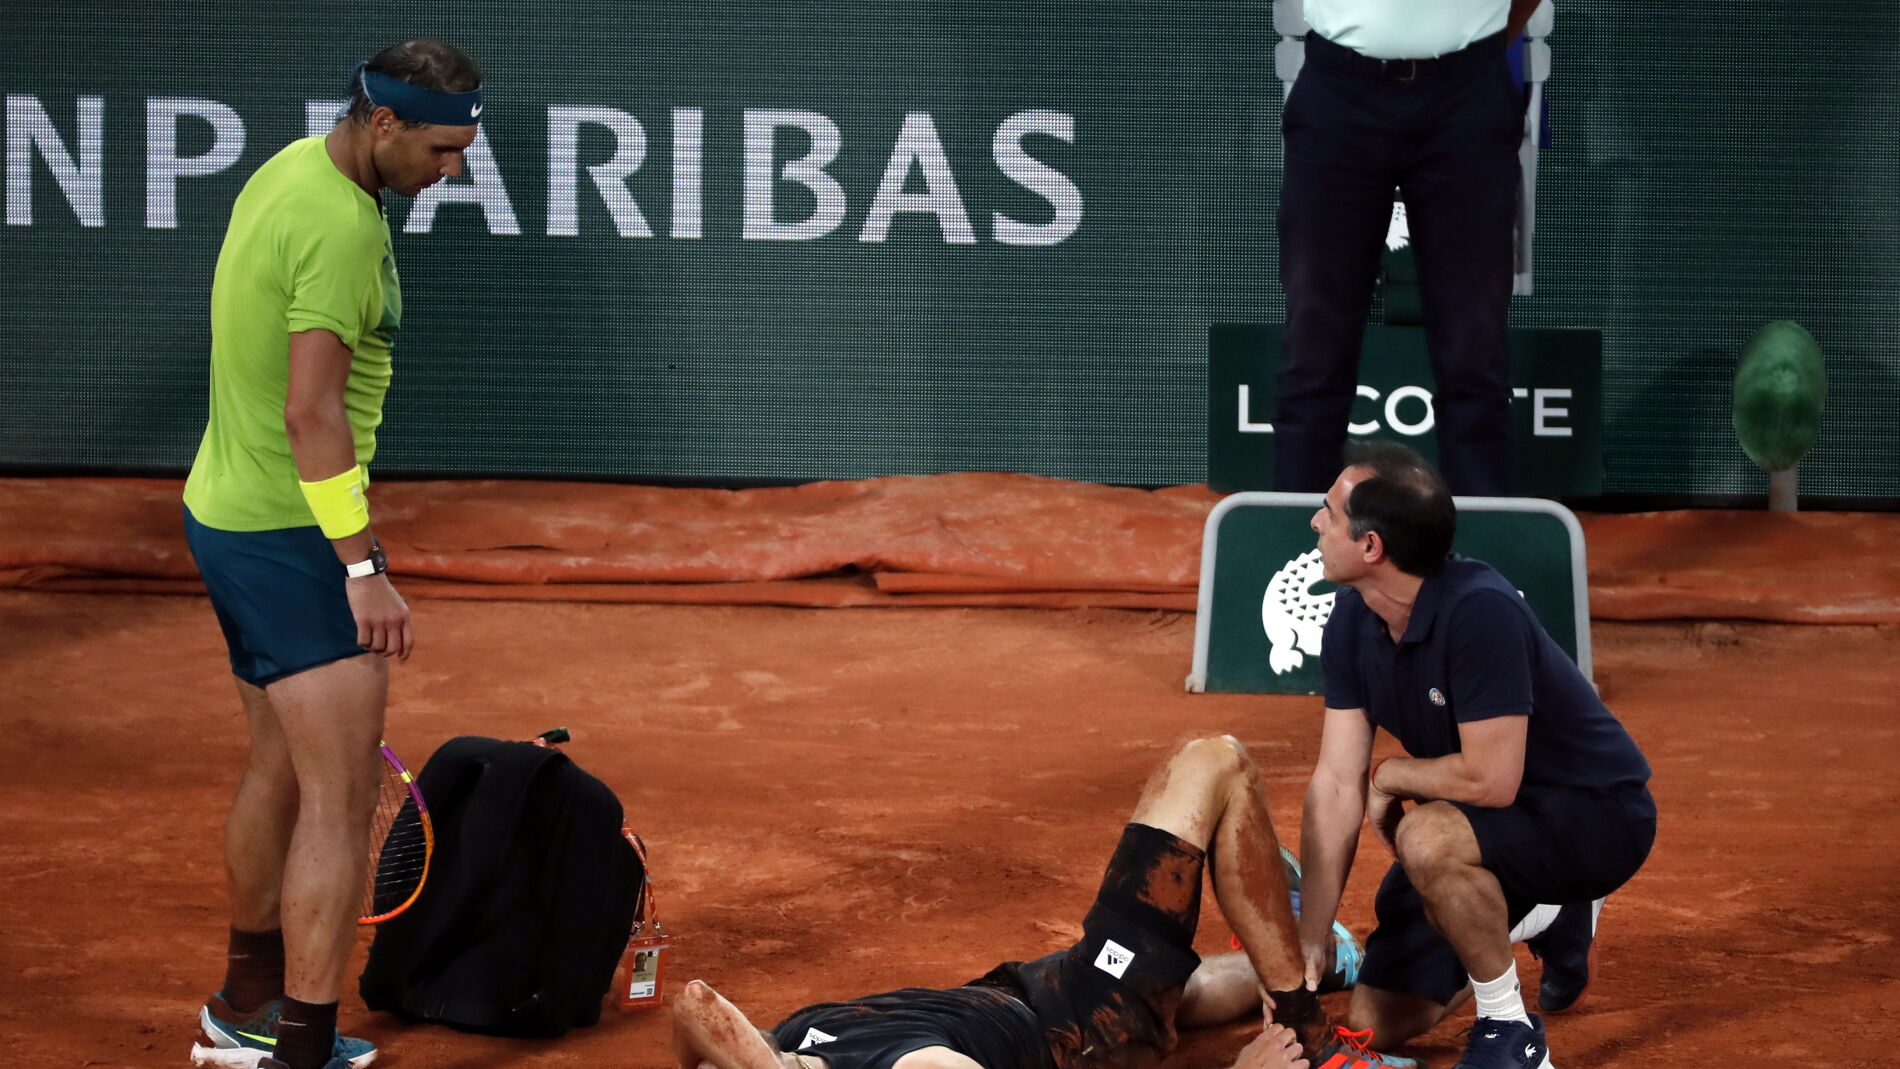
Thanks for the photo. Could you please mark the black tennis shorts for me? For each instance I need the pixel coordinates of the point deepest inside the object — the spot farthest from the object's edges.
(1110, 999)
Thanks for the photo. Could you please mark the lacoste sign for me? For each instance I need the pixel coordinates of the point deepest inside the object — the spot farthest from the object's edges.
(1291, 615)
(1556, 404)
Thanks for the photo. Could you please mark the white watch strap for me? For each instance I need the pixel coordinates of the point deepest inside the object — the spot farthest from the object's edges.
(361, 568)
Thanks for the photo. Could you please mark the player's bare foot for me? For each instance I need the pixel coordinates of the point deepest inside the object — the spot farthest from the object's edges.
(1275, 1048)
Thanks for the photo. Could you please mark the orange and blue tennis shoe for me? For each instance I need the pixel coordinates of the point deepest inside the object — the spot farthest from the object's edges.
(228, 1041)
(1352, 1050)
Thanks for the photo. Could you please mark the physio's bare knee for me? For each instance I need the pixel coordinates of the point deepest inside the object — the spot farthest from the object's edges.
(1431, 837)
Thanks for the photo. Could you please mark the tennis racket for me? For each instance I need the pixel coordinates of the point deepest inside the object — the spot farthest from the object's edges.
(400, 843)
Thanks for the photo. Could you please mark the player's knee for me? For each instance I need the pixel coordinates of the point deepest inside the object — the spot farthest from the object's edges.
(268, 777)
(270, 758)
(349, 793)
(1238, 748)
(1217, 756)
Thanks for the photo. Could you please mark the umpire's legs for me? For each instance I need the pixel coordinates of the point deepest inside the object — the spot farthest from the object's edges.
(1461, 206)
(1335, 209)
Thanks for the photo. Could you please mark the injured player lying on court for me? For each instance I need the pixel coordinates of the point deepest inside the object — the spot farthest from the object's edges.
(1114, 999)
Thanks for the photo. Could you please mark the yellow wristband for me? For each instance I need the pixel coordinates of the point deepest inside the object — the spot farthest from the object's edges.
(338, 502)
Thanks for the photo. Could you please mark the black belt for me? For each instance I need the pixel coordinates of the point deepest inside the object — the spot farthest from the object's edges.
(1338, 59)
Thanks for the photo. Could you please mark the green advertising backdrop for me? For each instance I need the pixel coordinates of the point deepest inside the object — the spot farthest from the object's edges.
(1264, 604)
(835, 240)
(1556, 407)
(785, 241)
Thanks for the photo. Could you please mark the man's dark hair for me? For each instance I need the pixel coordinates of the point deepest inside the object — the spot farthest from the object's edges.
(424, 64)
(1406, 501)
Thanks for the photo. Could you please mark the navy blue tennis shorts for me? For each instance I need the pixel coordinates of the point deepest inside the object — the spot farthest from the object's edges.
(279, 597)
(1557, 845)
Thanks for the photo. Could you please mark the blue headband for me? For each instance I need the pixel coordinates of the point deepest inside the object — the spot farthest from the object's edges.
(416, 104)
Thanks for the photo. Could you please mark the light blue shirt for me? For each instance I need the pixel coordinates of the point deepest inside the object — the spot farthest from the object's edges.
(1406, 29)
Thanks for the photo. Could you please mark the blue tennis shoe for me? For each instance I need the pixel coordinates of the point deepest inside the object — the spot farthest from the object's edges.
(227, 1041)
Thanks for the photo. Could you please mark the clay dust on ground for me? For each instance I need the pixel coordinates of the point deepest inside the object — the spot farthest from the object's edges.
(841, 802)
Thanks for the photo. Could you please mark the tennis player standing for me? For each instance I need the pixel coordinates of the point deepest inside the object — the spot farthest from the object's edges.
(305, 306)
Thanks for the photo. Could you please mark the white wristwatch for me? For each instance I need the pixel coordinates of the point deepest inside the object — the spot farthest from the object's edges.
(376, 564)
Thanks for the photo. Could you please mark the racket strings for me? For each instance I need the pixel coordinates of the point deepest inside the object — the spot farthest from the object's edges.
(399, 847)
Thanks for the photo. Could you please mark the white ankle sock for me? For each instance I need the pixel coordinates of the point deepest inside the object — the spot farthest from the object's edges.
(1500, 999)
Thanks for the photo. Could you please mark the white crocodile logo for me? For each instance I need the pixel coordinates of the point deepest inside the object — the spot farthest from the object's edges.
(1294, 617)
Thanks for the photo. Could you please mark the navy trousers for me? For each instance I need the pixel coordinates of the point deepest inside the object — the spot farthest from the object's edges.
(1445, 133)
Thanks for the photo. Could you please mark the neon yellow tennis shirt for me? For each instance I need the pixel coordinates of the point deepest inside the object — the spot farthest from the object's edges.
(307, 249)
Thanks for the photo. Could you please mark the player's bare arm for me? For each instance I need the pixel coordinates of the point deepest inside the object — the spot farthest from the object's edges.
(321, 441)
(708, 1030)
(1329, 831)
(1487, 770)
(322, 446)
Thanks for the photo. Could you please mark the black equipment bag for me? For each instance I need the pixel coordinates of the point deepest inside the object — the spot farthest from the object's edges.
(529, 899)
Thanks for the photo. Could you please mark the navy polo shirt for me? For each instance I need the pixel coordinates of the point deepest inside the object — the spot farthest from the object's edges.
(1474, 650)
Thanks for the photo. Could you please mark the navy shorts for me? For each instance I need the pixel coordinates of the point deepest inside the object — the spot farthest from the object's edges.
(279, 597)
(1557, 845)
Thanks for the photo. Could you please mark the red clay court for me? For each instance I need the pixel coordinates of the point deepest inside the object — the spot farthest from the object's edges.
(839, 802)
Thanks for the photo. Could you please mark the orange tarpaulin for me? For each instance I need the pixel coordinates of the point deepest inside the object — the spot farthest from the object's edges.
(1792, 567)
(962, 539)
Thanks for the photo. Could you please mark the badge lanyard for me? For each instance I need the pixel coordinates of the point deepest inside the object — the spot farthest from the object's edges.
(642, 969)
